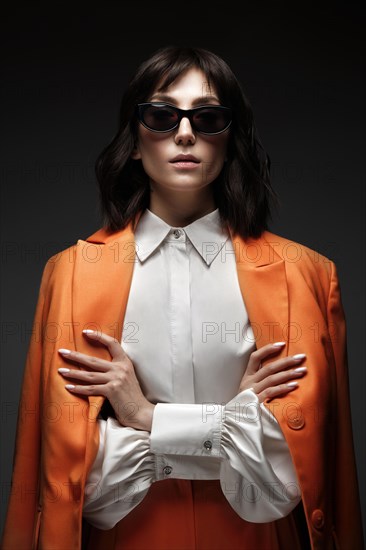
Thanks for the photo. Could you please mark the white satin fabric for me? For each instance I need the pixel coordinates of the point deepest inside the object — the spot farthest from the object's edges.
(188, 335)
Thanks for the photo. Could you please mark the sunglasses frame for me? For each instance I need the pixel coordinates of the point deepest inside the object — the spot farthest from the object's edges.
(182, 113)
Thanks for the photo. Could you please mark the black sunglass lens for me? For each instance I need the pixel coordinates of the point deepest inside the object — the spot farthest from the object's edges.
(160, 118)
(211, 121)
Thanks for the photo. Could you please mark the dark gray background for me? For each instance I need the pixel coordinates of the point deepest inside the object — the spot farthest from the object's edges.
(63, 73)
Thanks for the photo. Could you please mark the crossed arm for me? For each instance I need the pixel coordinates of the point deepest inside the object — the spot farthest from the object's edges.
(116, 379)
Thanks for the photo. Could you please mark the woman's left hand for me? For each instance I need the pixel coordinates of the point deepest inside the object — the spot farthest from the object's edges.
(116, 380)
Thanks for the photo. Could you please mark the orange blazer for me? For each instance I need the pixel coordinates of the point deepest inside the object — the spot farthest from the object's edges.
(290, 292)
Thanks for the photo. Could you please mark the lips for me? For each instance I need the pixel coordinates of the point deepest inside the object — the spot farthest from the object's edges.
(185, 158)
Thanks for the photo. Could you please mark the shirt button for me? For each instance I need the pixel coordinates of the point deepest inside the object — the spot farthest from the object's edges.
(167, 470)
(208, 445)
(177, 233)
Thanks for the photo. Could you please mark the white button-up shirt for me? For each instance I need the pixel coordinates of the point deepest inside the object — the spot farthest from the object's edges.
(187, 332)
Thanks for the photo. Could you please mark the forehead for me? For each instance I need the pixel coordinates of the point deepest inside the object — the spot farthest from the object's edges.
(191, 85)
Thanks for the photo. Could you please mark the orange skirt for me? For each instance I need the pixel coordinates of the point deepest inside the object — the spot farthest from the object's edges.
(192, 515)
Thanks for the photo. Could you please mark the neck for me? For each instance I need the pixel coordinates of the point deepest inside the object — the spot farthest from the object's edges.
(181, 209)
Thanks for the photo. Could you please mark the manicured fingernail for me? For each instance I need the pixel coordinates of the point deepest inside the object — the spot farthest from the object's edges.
(299, 356)
(300, 369)
(62, 370)
(292, 384)
(88, 331)
(64, 351)
(279, 344)
(69, 386)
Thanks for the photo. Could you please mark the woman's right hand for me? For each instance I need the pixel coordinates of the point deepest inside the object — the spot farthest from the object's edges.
(275, 378)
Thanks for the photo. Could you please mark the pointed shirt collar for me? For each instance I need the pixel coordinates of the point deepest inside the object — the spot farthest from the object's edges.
(206, 234)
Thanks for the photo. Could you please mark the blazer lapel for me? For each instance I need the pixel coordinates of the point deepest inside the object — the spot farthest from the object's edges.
(263, 284)
(101, 285)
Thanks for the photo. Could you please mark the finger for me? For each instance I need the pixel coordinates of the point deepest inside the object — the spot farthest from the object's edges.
(88, 360)
(84, 376)
(279, 378)
(260, 354)
(87, 390)
(276, 391)
(113, 345)
(279, 365)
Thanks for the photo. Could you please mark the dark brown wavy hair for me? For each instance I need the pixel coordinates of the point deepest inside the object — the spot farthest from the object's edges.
(242, 191)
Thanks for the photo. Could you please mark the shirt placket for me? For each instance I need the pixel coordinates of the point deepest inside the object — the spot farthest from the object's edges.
(180, 318)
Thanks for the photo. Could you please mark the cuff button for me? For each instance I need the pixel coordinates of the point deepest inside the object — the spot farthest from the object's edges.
(208, 445)
(167, 470)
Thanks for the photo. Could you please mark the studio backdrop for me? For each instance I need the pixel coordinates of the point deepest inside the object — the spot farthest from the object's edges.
(64, 70)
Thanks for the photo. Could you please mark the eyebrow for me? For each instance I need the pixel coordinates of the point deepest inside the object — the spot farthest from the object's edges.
(198, 101)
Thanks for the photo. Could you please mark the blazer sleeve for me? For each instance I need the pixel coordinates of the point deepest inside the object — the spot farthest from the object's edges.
(22, 512)
(348, 522)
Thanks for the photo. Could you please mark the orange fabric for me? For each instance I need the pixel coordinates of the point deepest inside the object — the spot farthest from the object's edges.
(291, 293)
(186, 515)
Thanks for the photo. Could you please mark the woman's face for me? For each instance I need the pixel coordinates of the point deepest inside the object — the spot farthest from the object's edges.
(157, 150)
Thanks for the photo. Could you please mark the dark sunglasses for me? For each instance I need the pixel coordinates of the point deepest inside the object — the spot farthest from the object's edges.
(162, 117)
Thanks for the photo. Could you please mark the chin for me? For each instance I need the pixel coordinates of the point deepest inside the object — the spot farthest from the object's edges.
(187, 186)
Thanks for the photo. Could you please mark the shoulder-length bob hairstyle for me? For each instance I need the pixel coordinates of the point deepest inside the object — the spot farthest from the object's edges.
(242, 191)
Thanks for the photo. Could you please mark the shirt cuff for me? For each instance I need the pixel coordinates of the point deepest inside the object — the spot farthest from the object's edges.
(187, 429)
(121, 474)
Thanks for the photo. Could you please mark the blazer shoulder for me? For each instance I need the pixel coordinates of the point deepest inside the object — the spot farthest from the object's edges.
(301, 260)
(62, 261)
(60, 266)
(294, 252)
(58, 269)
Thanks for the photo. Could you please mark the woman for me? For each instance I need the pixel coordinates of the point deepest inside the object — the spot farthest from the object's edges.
(189, 388)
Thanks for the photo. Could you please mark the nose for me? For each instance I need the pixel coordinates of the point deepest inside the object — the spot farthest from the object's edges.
(184, 133)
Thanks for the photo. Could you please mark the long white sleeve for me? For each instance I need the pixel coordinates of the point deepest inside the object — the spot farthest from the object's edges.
(258, 479)
(240, 444)
(121, 474)
(256, 471)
